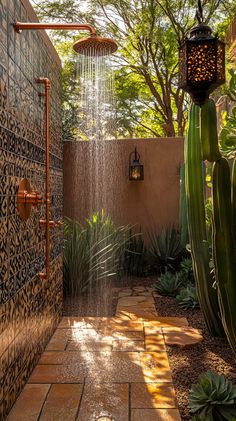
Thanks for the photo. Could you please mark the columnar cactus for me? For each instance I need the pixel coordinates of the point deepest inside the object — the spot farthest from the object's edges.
(197, 224)
(223, 241)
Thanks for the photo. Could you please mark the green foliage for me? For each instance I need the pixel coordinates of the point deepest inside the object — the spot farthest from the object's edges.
(168, 284)
(93, 252)
(187, 298)
(185, 274)
(149, 102)
(213, 398)
(227, 137)
(166, 248)
(135, 255)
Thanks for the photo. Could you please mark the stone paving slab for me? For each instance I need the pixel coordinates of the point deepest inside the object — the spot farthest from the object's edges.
(103, 400)
(106, 367)
(30, 402)
(183, 337)
(155, 415)
(152, 395)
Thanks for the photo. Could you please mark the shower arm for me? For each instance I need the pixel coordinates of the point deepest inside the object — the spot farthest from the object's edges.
(46, 223)
(21, 26)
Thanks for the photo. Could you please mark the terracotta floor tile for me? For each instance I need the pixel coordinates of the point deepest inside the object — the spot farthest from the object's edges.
(80, 322)
(134, 335)
(166, 322)
(154, 342)
(104, 400)
(152, 395)
(57, 346)
(134, 301)
(87, 346)
(85, 360)
(57, 374)
(138, 315)
(155, 415)
(118, 366)
(155, 367)
(29, 403)
(118, 324)
(62, 402)
(128, 345)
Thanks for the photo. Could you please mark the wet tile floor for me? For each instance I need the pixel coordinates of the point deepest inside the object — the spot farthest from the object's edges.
(105, 369)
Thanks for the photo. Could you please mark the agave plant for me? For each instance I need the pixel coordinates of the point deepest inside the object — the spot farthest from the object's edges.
(93, 252)
(213, 398)
(187, 298)
(168, 284)
(166, 248)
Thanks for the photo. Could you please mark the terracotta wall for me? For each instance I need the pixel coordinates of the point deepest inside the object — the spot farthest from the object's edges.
(29, 307)
(96, 177)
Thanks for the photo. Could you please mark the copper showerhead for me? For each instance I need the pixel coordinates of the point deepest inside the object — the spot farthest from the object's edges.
(95, 46)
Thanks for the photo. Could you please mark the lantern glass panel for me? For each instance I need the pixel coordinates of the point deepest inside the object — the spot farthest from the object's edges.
(221, 61)
(136, 172)
(201, 62)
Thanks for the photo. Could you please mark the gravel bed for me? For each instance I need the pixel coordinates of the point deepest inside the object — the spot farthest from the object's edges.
(212, 354)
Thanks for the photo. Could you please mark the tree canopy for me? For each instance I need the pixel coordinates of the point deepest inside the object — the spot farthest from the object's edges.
(148, 32)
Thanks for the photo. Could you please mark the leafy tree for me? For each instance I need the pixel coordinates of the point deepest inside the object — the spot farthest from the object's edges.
(148, 32)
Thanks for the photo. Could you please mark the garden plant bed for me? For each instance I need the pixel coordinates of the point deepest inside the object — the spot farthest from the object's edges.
(187, 364)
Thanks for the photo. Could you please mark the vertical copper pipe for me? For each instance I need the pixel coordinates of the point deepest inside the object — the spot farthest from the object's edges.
(46, 82)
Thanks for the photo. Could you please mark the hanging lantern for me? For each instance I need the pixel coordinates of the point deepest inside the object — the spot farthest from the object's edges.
(201, 61)
(135, 168)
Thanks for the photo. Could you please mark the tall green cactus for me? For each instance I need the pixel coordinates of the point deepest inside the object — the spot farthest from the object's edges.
(223, 218)
(197, 224)
(183, 208)
(224, 247)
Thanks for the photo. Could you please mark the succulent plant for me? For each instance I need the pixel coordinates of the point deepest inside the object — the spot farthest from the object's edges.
(168, 284)
(187, 297)
(213, 398)
(166, 248)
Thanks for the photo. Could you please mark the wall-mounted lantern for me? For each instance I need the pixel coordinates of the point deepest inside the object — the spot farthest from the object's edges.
(201, 61)
(135, 168)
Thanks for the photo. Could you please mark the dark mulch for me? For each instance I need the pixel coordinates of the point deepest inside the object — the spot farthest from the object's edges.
(212, 354)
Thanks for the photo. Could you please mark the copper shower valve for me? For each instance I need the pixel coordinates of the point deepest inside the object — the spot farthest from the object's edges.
(52, 224)
(26, 198)
(32, 198)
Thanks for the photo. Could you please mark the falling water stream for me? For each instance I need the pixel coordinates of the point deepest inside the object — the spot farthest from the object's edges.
(97, 113)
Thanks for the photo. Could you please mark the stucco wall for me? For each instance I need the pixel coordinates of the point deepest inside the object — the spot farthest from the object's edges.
(29, 307)
(96, 177)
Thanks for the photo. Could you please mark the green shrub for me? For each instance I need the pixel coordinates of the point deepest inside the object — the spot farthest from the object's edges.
(168, 284)
(94, 252)
(186, 272)
(213, 398)
(166, 248)
(135, 255)
(187, 297)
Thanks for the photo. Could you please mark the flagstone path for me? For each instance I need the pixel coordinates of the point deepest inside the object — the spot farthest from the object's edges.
(107, 369)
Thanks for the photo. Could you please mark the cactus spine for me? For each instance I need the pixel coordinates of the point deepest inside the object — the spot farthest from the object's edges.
(197, 224)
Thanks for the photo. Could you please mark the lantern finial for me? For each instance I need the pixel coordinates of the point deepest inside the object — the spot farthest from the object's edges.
(199, 12)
